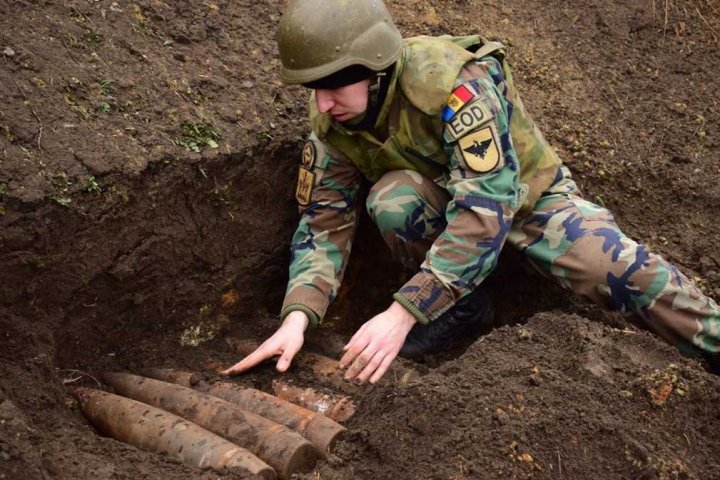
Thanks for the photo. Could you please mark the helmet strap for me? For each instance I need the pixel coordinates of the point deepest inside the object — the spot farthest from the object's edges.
(377, 92)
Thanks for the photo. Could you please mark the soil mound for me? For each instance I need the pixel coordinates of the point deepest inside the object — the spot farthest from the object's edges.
(559, 397)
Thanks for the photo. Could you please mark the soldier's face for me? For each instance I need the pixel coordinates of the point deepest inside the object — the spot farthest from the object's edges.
(345, 102)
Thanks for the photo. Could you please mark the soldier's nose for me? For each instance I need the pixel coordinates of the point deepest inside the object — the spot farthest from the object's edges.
(324, 100)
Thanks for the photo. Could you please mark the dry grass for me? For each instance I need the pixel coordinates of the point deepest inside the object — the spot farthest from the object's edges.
(688, 8)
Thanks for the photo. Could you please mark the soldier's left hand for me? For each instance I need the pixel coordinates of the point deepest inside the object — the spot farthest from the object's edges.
(375, 345)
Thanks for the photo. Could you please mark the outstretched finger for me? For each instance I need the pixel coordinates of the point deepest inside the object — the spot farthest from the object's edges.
(353, 349)
(382, 368)
(286, 359)
(354, 338)
(371, 366)
(258, 356)
(360, 363)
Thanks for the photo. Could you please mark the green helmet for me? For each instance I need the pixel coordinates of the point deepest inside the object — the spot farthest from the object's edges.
(318, 38)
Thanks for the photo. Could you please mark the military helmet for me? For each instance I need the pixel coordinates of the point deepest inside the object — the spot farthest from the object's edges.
(318, 38)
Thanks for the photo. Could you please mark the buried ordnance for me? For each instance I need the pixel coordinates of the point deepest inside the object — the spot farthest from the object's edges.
(335, 407)
(219, 424)
(321, 431)
(283, 449)
(156, 430)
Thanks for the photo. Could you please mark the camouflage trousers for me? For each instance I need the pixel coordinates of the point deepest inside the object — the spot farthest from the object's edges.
(569, 239)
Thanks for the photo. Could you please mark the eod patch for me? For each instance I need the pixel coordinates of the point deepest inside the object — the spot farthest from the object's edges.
(468, 119)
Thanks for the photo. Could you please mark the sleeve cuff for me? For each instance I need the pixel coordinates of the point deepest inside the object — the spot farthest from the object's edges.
(425, 297)
(293, 307)
(410, 307)
(307, 299)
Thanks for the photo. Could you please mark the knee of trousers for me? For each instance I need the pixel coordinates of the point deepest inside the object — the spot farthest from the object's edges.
(400, 204)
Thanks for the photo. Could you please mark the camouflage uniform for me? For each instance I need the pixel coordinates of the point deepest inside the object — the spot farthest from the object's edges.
(459, 169)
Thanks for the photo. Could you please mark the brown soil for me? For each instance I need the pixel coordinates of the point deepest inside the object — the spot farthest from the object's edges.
(121, 247)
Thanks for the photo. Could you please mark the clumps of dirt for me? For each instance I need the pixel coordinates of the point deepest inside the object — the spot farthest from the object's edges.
(559, 397)
(661, 384)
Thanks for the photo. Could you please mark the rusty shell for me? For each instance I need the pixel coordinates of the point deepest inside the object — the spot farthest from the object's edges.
(155, 430)
(283, 449)
(321, 431)
(181, 377)
(335, 407)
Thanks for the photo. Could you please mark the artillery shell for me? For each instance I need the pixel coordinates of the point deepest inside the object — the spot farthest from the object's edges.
(181, 377)
(321, 431)
(155, 430)
(318, 429)
(286, 451)
(338, 408)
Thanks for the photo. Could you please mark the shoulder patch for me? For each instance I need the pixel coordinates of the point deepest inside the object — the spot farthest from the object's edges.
(309, 154)
(470, 118)
(459, 97)
(306, 182)
(480, 151)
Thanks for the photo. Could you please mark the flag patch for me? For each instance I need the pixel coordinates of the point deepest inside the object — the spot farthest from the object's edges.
(459, 97)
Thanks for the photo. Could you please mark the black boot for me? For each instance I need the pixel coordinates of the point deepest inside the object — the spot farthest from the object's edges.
(466, 319)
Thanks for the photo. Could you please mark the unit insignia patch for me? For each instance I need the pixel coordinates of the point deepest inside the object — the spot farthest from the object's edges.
(480, 151)
(306, 182)
(308, 155)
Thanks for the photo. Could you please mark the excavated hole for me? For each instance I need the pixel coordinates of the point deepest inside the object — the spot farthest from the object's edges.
(161, 267)
(201, 250)
(198, 252)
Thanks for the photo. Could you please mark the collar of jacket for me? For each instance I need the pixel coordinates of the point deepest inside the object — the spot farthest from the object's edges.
(425, 73)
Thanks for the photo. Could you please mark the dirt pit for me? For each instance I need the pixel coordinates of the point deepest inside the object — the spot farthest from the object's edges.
(146, 207)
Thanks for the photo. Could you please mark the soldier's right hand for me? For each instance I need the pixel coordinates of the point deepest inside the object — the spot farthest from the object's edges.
(286, 342)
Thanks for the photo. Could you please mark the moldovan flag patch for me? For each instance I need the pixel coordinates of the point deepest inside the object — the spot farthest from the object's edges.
(459, 97)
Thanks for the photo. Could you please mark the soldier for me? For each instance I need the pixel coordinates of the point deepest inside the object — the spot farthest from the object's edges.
(459, 170)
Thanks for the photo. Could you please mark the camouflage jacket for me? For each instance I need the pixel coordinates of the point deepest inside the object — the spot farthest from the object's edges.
(452, 114)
